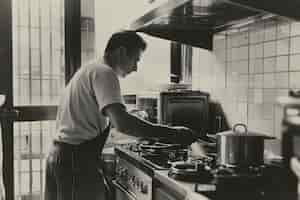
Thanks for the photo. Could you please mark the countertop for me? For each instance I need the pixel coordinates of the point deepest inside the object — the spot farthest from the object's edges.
(184, 189)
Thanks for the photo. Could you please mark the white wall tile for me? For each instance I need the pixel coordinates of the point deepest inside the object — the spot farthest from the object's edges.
(257, 66)
(295, 62)
(258, 96)
(295, 28)
(228, 42)
(256, 50)
(265, 127)
(270, 32)
(269, 96)
(282, 46)
(268, 111)
(244, 38)
(257, 35)
(269, 80)
(229, 55)
(283, 30)
(269, 49)
(295, 79)
(281, 92)
(240, 53)
(269, 64)
(295, 45)
(243, 81)
(235, 40)
(282, 63)
(219, 42)
(251, 81)
(250, 96)
(243, 67)
(242, 112)
(258, 111)
(257, 73)
(282, 80)
(258, 81)
(251, 114)
(220, 55)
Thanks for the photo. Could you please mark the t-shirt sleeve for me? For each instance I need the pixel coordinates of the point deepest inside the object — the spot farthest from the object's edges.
(106, 88)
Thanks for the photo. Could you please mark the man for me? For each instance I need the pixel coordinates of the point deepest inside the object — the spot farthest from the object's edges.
(90, 100)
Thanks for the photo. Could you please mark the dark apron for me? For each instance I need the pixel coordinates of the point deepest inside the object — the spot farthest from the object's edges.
(94, 145)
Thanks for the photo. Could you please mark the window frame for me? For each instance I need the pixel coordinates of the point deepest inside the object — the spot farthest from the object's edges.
(10, 113)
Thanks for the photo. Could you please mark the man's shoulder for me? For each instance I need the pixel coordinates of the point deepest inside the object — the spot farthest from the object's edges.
(98, 67)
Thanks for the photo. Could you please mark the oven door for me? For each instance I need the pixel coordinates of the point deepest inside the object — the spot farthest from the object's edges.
(121, 193)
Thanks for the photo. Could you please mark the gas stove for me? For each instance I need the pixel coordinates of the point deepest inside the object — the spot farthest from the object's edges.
(213, 180)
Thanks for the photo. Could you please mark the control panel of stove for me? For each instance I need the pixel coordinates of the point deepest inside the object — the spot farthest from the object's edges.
(133, 179)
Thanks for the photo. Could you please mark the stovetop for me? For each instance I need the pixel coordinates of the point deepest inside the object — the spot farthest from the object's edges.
(159, 156)
(204, 172)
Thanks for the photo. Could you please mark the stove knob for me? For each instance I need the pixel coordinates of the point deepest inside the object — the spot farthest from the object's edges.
(144, 188)
(133, 180)
(124, 173)
(137, 183)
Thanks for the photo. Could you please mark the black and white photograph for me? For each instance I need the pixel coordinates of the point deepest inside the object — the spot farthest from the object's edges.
(150, 100)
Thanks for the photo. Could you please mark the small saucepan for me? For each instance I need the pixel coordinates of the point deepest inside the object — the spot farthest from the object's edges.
(240, 148)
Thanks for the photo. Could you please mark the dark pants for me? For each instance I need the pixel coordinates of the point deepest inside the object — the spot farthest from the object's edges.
(72, 173)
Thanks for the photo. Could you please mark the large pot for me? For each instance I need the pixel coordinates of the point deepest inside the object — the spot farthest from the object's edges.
(240, 148)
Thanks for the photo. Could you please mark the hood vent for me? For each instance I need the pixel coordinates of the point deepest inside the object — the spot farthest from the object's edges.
(194, 22)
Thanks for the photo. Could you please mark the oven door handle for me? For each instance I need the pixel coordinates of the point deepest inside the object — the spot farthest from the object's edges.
(122, 189)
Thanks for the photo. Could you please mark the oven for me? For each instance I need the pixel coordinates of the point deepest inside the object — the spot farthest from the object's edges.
(131, 182)
(122, 193)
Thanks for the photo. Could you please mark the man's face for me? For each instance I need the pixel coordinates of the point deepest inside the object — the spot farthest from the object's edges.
(130, 62)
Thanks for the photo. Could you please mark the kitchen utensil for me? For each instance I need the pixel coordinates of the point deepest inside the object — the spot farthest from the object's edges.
(240, 148)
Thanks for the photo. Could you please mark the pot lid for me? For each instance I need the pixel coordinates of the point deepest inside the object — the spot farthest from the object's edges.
(241, 130)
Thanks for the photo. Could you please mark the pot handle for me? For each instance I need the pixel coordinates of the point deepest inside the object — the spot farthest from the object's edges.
(242, 125)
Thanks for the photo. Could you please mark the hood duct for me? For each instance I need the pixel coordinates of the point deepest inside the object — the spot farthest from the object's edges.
(194, 22)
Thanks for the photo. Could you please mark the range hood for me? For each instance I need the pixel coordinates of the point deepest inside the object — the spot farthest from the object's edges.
(194, 22)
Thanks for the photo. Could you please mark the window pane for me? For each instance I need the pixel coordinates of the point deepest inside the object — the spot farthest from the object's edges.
(32, 140)
(34, 13)
(37, 51)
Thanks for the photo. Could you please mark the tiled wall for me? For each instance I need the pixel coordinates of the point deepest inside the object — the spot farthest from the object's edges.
(248, 69)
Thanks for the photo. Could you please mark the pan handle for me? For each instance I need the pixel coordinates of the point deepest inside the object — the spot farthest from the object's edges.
(240, 125)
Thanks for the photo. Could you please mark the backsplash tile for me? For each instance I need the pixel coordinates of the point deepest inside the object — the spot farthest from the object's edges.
(282, 63)
(294, 79)
(282, 80)
(269, 80)
(283, 30)
(258, 80)
(295, 62)
(256, 66)
(295, 44)
(269, 64)
(295, 28)
(262, 63)
(282, 46)
(269, 96)
(269, 49)
(270, 31)
(258, 96)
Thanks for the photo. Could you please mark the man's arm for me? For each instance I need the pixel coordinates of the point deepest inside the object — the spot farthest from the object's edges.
(131, 125)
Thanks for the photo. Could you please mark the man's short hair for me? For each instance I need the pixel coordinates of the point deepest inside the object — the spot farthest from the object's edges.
(127, 39)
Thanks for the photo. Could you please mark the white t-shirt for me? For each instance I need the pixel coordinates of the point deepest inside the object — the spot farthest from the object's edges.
(80, 116)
